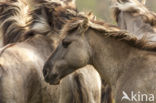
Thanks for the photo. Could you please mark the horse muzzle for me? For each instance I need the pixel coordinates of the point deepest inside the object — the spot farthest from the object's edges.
(52, 79)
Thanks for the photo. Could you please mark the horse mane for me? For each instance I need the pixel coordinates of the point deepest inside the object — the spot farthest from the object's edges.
(20, 20)
(50, 17)
(79, 26)
(13, 20)
(135, 8)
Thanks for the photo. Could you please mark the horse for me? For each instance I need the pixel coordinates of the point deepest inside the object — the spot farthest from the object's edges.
(125, 62)
(133, 16)
(21, 65)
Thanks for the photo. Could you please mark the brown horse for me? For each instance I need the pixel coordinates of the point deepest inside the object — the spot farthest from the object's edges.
(21, 65)
(50, 18)
(127, 63)
(133, 16)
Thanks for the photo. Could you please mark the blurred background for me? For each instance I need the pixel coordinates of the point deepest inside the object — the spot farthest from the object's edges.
(102, 8)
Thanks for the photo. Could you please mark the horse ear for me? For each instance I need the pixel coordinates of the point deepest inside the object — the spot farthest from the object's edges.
(84, 26)
(70, 3)
(143, 2)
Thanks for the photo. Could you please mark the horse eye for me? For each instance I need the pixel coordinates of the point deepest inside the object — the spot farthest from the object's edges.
(66, 43)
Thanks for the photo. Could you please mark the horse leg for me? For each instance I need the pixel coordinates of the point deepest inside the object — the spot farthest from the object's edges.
(85, 87)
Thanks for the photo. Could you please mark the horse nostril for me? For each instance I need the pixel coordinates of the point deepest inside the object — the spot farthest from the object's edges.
(55, 75)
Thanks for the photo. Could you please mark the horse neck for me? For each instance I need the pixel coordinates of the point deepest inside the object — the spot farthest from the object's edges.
(109, 56)
(42, 45)
(135, 25)
(128, 22)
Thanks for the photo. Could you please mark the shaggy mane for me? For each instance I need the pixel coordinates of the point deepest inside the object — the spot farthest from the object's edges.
(111, 31)
(50, 16)
(23, 19)
(136, 8)
(13, 20)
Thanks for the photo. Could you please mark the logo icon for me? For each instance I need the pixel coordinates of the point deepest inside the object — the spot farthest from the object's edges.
(125, 96)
